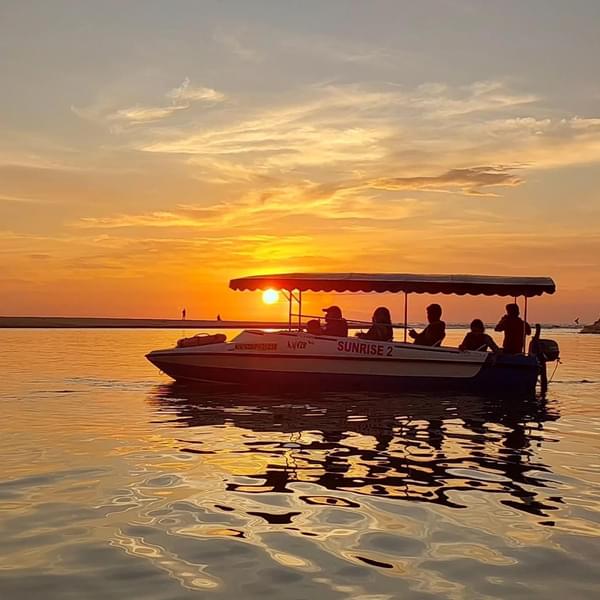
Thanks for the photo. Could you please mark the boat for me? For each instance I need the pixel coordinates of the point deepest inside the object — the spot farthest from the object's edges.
(593, 328)
(295, 359)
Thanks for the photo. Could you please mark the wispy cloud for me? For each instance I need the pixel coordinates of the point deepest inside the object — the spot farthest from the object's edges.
(438, 100)
(179, 98)
(21, 199)
(340, 51)
(471, 180)
(32, 151)
(256, 209)
(145, 114)
(351, 124)
(187, 93)
(541, 143)
(233, 43)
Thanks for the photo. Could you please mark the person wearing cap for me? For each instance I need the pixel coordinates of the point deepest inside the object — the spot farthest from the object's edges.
(435, 332)
(335, 324)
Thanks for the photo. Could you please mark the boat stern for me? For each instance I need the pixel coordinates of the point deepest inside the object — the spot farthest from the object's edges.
(509, 373)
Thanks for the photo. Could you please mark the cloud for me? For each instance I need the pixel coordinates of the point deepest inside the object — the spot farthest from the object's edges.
(257, 209)
(24, 150)
(349, 167)
(233, 43)
(313, 132)
(151, 219)
(354, 127)
(441, 101)
(188, 93)
(341, 51)
(471, 180)
(21, 199)
(360, 129)
(179, 98)
(541, 143)
(145, 114)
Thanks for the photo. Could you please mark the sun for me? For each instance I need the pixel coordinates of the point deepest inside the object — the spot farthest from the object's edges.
(270, 296)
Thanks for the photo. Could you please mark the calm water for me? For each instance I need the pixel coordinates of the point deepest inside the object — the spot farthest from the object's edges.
(117, 484)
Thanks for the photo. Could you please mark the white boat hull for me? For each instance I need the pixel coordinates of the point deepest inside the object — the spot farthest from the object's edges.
(292, 359)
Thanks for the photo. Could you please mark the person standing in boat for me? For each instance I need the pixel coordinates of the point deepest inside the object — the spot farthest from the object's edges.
(514, 329)
(478, 339)
(335, 324)
(381, 330)
(435, 332)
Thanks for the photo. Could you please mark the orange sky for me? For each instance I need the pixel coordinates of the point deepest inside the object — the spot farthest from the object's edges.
(150, 158)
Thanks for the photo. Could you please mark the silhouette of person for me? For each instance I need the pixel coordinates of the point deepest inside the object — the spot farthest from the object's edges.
(514, 330)
(218, 317)
(314, 327)
(435, 332)
(478, 339)
(335, 324)
(381, 329)
(183, 313)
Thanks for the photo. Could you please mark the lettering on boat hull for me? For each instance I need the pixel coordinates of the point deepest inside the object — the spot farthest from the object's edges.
(356, 347)
(256, 346)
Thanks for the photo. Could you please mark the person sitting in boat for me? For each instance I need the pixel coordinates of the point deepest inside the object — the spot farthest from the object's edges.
(381, 329)
(335, 324)
(314, 327)
(435, 332)
(514, 330)
(478, 339)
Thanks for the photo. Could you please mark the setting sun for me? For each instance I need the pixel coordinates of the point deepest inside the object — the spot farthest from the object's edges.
(270, 296)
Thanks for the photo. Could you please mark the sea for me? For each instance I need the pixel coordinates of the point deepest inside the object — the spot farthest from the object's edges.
(117, 483)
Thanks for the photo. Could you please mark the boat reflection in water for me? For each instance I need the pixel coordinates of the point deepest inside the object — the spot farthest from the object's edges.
(417, 447)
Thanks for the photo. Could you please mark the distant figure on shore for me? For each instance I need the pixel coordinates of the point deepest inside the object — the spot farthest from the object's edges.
(335, 324)
(478, 339)
(218, 317)
(183, 313)
(577, 321)
(435, 332)
(381, 330)
(514, 330)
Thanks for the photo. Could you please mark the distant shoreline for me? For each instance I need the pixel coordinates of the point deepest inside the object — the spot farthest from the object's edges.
(122, 323)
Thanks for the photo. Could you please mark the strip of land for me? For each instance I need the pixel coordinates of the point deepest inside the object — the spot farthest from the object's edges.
(119, 323)
(110, 323)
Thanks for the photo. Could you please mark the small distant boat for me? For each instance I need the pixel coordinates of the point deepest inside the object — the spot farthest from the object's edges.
(593, 328)
(295, 359)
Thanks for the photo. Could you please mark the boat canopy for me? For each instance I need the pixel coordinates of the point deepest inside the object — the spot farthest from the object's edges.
(395, 282)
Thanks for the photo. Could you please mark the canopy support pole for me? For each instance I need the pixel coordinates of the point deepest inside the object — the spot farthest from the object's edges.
(291, 297)
(288, 296)
(405, 314)
(525, 326)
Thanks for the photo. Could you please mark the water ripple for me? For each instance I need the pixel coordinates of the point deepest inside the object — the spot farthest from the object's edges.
(115, 484)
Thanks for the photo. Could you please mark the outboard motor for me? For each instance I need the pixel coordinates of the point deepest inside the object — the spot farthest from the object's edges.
(546, 351)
